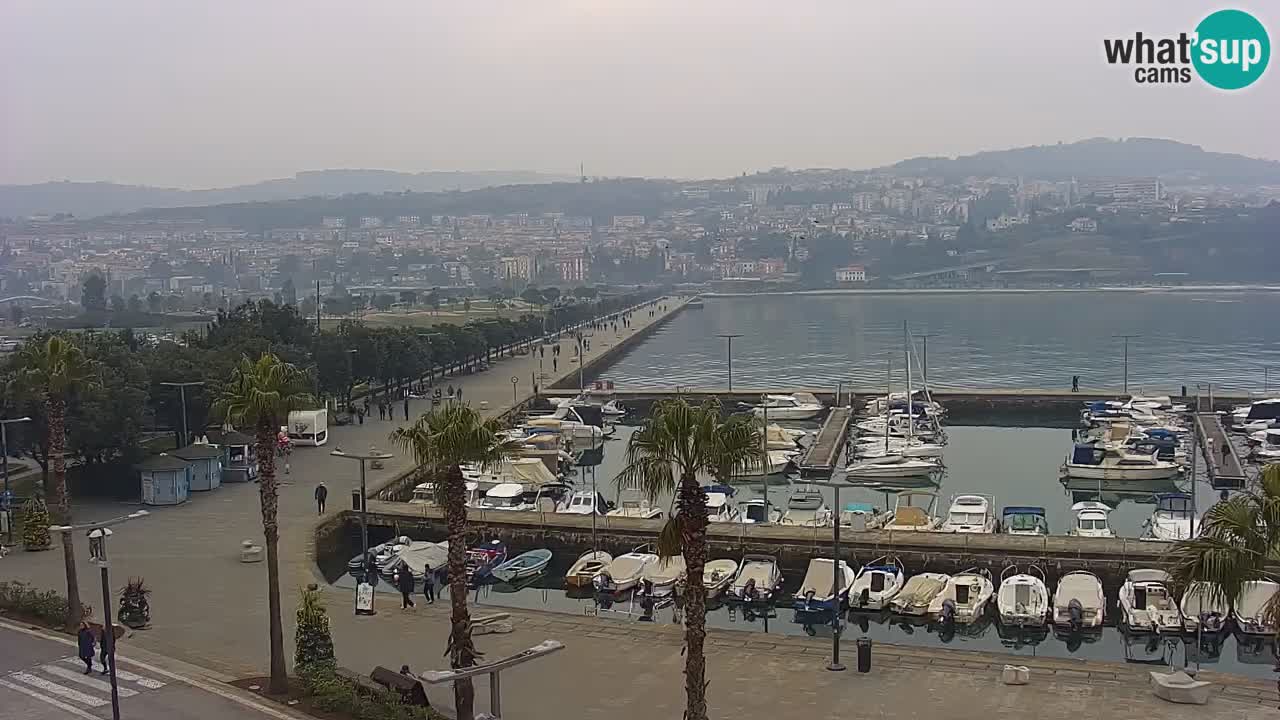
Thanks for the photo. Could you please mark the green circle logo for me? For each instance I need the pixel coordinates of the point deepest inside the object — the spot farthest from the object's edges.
(1232, 49)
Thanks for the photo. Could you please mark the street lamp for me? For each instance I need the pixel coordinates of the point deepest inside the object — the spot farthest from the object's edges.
(98, 534)
(1126, 359)
(730, 337)
(8, 494)
(182, 393)
(836, 575)
(373, 454)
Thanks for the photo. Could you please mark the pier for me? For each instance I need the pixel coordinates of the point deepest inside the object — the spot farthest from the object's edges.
(824, 453)
(1224, 469)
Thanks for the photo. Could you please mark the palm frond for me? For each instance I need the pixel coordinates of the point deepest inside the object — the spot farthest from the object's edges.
(670, 541)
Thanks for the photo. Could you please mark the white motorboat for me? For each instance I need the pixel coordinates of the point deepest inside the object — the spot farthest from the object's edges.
(635, 505)
(1023, 520)
(1255, 416)
(569, 424)
(914, 512)
(1146, 604)
(585, 502)
(586, 567)
(897, 425)
(1023, 598)
(1203, 612)
(918, 592)
(964, 598)
(660, 578)
(877, 583)
(720, 509)
(506, 496)
(1078, 602)
(753, 511)
(894, 401)
(1091, 462)
(758, 578)
(807, 508)
(417, 556)
(797, 406)
(1267, 444)
(780, 438)
(625, 571)
(1249, 609)
(891, 466)
(717, 575)
(597, 398)
(776, 462)
(821, 590)
(426, 494)
(862, 516)
(1091, 520)
(912, 449)
(1172, 518)
(970, 514)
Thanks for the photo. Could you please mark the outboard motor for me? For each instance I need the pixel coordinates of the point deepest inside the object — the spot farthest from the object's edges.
(864, 597)
(808, 599)
(948, 612)
(749, 592)
(1076, 612)
(1211, 621)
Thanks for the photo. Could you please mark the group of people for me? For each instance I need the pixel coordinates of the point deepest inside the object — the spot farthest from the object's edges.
(403, 580)
(86, 639)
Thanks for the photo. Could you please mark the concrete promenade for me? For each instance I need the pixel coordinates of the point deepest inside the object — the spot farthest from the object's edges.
(210, 610)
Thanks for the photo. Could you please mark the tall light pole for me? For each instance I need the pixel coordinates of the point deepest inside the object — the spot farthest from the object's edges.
(837, 577)
(182, 394)
(730, 337)
(4, 447)
(924, 355)
(373, 454)
(1126, 358)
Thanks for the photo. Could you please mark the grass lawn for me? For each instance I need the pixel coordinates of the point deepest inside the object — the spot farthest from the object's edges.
(426, 317)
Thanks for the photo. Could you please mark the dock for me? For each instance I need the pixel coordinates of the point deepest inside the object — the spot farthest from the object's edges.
(1225, 471)
(824, 453)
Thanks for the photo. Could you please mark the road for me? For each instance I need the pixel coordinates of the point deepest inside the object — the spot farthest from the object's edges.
(42, 679)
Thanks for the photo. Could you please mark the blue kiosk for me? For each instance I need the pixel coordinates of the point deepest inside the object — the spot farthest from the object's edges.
(206, 465)
(166, 480)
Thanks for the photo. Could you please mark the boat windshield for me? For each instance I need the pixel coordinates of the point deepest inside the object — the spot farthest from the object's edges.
(967, 518)
(1087, 523)
(504, 502)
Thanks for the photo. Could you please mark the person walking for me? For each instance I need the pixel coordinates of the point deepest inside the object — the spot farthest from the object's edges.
(406, 407)
(429, 585)
(322, 494)
(102, 647)
(459, 395)
(84, 639)
(366, 404)
(360, 414)
(1075, 383)
(404, 582)
(1226, 451)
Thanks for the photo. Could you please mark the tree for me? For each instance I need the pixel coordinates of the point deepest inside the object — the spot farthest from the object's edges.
(117, 304)
(288, 292)
(15, 312)
(383, 301)
(533, 296)
(55, 368)
(466, 306)
(677, 444)
(35, 524)
(134, 304)
(550, 295)
(1239, 542)
(93, 296)
(440, 442)
(312, 640)
(155, 303)
(261, 394)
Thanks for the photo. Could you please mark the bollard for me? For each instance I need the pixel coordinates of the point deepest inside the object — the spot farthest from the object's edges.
(864, 654)
(355, 500)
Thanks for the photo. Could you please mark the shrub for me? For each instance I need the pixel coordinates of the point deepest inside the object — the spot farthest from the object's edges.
(312, 639)
(332, 693)
(35, 525)
(21, 598)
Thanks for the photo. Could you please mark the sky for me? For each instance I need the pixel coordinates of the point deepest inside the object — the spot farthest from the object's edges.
(208, 94)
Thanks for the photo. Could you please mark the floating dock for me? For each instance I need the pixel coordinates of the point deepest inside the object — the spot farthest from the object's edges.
(824, 453)
(1224, 469)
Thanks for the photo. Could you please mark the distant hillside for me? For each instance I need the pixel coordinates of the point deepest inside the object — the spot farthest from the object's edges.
(87, 199)
(1101, 157)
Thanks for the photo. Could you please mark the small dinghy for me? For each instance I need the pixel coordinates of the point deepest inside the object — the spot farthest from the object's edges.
(1078, 603)
(717, 574)
(820, 589)
(524, 565)
(1023, 598)
(1146, 604)
(919, 591)
(878, 582)
(625, 571)
(1202, 611)
(965, 597)
(587, 567)
(660, 578)
(757, 580)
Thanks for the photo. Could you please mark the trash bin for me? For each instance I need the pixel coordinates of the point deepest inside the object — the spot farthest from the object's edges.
(864, 654)
(355, 500)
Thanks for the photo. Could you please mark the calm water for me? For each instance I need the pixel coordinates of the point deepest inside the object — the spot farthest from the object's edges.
(992, 340)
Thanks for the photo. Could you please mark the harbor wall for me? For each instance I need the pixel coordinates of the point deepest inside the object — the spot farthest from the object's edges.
(597, 365)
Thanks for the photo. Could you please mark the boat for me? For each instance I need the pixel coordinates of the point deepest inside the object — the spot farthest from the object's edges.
(1146, 604)
(1255, 416)
(820, 589)
(600, 397)
(635, 505)
(526, 564)
(1091, 462)
(757, 580)
(797, 406)
(970, 514)
(1268, 444)
(779, 438)
(585, 502)
(659, 579)
(913, 449)
(753, 511)
(775, 462)
(964, 598)
(722, 510)
(918, 592)
(1078, 602)
(1172, 518)
(1023, 598)
(1203, 612)
(911, 517)
(1091, 520)
(569, 423)
(1023, 520)
(877, 582)
(717, 575)
(1249, 609)
(506, 496)
(624, 572)
(586, 567)
(482, 559)
(891, 466)
(862, 516)
(807, 508)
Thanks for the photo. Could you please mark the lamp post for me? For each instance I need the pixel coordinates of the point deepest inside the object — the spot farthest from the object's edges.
(182, 394)
(4, 447)
(373, 454)
(730, 337)
(1126, 358)
(836, 575)
(98, 534)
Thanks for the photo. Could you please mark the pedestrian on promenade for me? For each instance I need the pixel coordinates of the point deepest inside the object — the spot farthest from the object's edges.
(1075, 383)
(1226, 451)
(84, 638)
(404, 582)
(366, 404)
(382, 410)
(360, 414)
(322, 494)
(554, 363)
(459, 396)
(429, 585)
(102, 646)
(406, 407)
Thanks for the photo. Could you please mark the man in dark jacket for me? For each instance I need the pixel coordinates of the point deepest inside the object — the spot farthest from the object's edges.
(84, 639)
(404, 582)
(322, 494)
(429, 585)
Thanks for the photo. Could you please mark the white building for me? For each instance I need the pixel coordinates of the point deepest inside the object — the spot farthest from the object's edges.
(851, 274)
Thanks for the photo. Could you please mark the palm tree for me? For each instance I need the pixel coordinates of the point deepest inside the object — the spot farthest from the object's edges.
(261, 394)
(678, 443)
(440, 442)
(54, 368)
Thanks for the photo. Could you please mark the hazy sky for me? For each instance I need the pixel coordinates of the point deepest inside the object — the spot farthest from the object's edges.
(199, 94)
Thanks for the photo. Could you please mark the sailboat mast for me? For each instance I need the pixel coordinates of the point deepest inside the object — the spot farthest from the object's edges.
(888, 401)
(906, 352)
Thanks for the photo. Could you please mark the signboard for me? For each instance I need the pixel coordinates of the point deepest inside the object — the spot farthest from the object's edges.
(364, 599)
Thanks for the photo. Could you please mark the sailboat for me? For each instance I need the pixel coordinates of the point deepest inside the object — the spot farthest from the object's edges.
(908, 458)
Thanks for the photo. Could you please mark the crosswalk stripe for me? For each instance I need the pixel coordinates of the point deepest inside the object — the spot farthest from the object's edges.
(53, 687)
(73, 710)
(125, 675)
(87, 680)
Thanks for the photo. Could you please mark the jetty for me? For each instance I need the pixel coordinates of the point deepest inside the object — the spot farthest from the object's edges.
(1224, 468)
(824, 453)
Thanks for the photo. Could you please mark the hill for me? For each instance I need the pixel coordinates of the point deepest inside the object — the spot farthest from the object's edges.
(88, 199)
(1102, 157)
